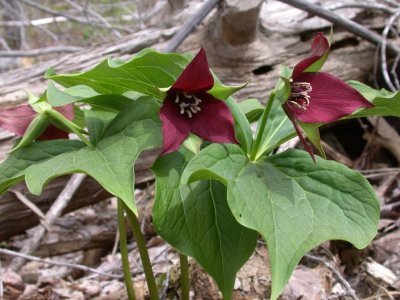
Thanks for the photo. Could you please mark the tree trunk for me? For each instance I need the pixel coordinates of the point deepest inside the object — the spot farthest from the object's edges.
(239, 21)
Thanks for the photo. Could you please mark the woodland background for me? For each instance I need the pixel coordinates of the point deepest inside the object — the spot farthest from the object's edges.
(62, 248)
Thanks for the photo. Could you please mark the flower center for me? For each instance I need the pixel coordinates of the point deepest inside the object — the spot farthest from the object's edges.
(299, 95)
(188, 103)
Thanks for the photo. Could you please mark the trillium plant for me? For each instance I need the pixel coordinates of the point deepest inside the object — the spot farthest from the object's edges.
(220, 186)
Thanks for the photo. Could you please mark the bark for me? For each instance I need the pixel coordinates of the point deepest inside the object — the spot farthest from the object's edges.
(239, 21)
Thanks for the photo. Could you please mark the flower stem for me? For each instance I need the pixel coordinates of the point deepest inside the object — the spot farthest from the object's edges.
(261, 127)
(183, 259)
(124, 253)
(144, 255)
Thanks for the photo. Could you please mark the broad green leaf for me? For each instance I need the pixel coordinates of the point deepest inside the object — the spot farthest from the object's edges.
(196, 220)
(294, 203)
(59, 98)
(146, 72)
(12, 170)
(223, 92)
(111, 160)
(252, 108)
(97, 121)
(386, 103)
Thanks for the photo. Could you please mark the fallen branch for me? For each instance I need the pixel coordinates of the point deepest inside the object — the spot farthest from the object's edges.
(347, 24)
(38, 52)
(56, 263)
(53, 213)
(71, 18)
(350, 291)
(189, 26)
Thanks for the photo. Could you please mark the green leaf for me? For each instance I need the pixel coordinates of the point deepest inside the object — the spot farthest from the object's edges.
(196, 220)
(59, 98)
(97, 121)
(12, 170)
(386, 103)
(111, 161)
(146, 72)
(223, 92)
(294, 203)
(252, 108)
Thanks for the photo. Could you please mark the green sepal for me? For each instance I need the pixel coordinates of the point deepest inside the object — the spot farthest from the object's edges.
(34, 130)
(193, 143)
(312, 133)
(223, 92)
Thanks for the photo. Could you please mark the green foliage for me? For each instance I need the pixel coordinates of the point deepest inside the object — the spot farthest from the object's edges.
(196, 220)
(12, 170)
(386, 103)
(111, 160)
(295, 204)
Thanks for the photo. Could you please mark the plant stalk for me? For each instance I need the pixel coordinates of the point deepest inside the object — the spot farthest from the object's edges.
(144, 255)
(124, 253)
(185, 284)
(261, 127)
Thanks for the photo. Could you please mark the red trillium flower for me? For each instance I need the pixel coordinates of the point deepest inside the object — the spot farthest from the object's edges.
(318, 97)
(189, 108)
(17, 120)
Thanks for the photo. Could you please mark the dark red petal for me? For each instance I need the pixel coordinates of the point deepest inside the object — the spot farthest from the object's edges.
(319, 47)
(214, 122)
(53, 133)
(17, 119)
(196, 77)
(67, 111)
(175, 127)
(307, 146)
(331, 99)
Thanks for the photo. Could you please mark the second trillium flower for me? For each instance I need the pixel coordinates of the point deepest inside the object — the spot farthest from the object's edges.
(189, 108)
(318, 97)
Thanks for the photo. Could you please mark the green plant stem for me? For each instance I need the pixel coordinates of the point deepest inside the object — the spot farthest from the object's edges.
(144, 255)
(124, 253)
(261, 127)
(185, 285)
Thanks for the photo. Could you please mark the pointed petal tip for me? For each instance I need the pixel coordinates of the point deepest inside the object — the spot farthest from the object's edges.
(196, 77)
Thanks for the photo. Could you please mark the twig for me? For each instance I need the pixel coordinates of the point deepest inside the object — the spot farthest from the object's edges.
(383, 51)
(54, 212)
(393, 71)
(21, 197)
(189, 25)
(71, 18)
(87, 11)
(1, 282)
(350, 292)
(378, 6)
(56, 263)
(38, 52)
(347, 24)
